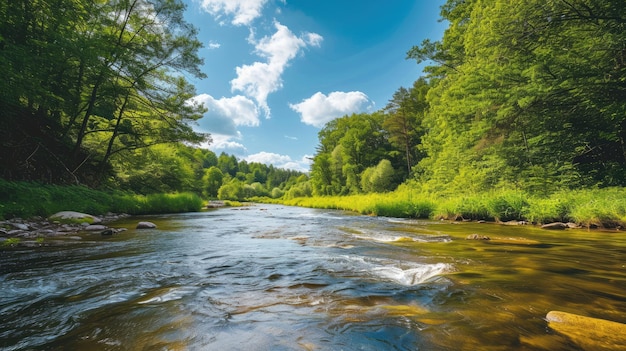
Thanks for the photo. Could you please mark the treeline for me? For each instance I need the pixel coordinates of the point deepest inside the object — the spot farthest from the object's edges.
(95, 93)
(517, 95)
(181, 168)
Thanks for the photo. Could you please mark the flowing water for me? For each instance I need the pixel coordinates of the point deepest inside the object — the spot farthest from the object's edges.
(269, 277)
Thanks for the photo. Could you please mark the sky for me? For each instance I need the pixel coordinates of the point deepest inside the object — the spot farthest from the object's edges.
(278, 70)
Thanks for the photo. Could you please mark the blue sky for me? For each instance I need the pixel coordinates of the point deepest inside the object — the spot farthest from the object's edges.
(278, 70)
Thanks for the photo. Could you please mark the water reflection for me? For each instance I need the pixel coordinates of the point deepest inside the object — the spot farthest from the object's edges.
(282, 278)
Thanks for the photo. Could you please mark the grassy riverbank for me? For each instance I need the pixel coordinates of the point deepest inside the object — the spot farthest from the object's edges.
(25, 200)
(588, 207)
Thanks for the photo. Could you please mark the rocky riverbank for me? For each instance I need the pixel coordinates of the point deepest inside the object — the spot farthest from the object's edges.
(66, 225)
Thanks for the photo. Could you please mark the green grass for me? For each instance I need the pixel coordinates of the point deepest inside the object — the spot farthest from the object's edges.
(26, 200)
(587, 207)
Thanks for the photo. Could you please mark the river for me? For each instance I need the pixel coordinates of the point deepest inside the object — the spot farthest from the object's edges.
(269, 277)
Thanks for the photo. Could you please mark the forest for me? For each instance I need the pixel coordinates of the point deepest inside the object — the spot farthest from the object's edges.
(517, 95)
(96, 93)
(526, 97)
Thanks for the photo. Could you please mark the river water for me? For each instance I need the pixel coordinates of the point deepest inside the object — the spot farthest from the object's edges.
(269, 277)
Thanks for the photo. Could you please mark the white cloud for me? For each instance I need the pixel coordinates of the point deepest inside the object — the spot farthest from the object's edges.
(320, 109)
(224, 115)
(313, 39)
(260, 79)
(268, 158)
(281, 161)
(242, 11)
(226, 143)
(213, 45)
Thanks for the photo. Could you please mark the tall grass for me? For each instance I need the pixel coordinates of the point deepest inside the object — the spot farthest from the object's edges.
(25, 200)
(586, 207)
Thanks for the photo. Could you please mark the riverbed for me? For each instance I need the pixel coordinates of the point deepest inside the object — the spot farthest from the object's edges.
(269, 277)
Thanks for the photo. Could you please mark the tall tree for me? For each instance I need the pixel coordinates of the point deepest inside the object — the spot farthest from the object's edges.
(526, 91)
(403, 120)
(98, 77)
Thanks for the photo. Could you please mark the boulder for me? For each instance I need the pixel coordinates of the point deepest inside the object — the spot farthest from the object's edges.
(146, 225)
(555, 226)
(73, 217)
(589, 333)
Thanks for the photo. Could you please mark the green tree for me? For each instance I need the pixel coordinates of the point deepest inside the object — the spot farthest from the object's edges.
(228, 164)
(212, 181)
(97, 77)
(403, 121)
(233, 190)
(379, 178)
(525, 94)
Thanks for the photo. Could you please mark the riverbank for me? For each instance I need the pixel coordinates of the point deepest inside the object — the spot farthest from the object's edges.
(588, 208)
(27, 200)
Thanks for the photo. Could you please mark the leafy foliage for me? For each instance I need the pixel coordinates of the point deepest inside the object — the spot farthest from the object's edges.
(88, 82)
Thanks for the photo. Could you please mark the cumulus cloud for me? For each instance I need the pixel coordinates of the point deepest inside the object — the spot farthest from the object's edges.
(259, 79)
(243, 12)
(281, 161)
(224, 115)
(227, 143)
(268, 158)
(320, 109)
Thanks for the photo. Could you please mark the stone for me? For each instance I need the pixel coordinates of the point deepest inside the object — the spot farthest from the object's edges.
(555, 226)
(146, 225)
(107, 232)
(477, 237)
(73, 217)
(20, 226)
(589, 333)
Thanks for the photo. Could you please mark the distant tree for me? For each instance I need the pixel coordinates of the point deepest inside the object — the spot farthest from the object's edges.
(379, 178)
(233, 190)
(212, 181)
(228, 164)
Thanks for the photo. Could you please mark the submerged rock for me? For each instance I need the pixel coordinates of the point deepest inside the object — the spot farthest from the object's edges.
(555, 226)
(146, 225)
(589, 333)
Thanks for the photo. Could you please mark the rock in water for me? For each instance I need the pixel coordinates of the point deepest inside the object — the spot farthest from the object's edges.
(146, 225)
(589, 333)
(555, 226)
(107, 232)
